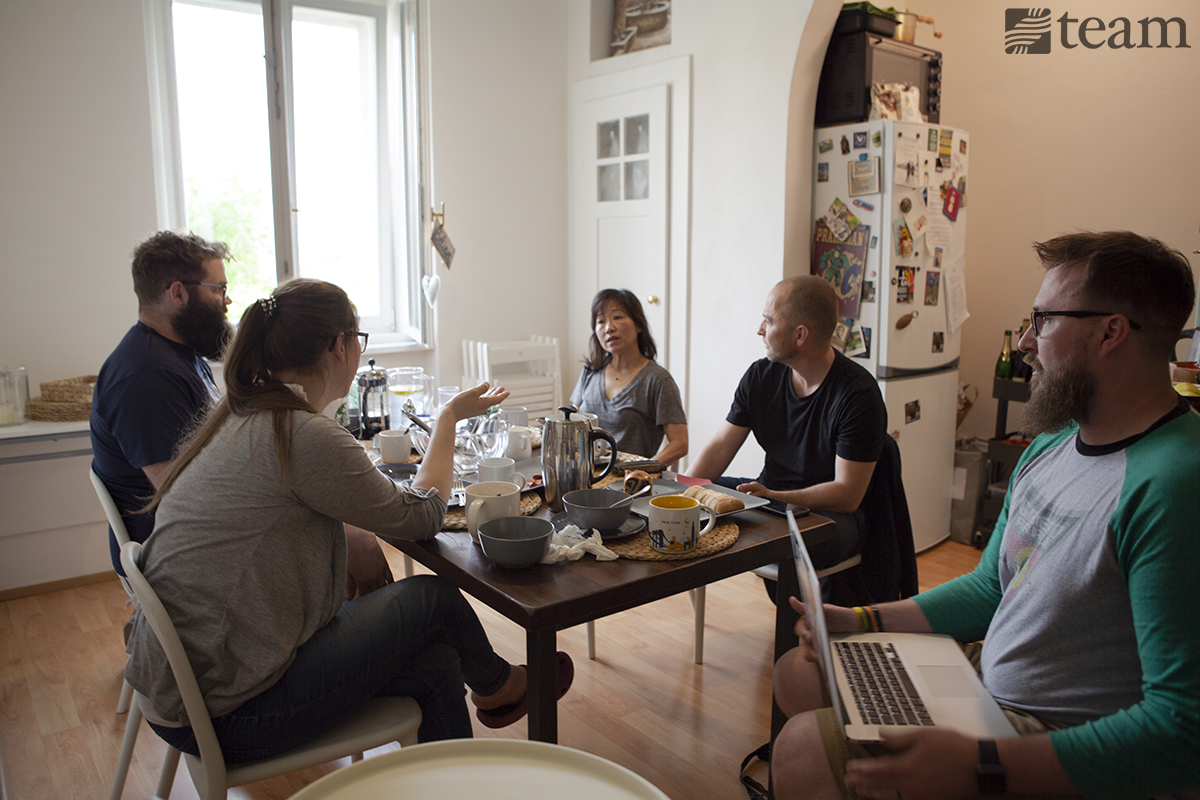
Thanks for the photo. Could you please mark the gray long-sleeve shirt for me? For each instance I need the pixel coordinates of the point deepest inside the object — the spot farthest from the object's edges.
(249, 567)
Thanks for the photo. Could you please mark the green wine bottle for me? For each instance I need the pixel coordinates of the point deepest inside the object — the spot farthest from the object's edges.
(1004, 364)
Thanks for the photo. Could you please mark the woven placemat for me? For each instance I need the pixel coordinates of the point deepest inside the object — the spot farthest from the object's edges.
(637, 548)
(456, 518)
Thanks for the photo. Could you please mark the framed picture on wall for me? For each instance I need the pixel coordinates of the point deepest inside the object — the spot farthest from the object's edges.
(639, 24)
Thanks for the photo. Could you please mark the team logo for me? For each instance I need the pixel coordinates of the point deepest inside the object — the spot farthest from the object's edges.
(1026, 30)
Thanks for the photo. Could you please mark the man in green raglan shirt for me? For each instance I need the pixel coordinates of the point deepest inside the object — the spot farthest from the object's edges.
(1087, 597)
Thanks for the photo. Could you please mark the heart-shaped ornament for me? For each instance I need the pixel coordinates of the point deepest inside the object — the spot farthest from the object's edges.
(430, 285)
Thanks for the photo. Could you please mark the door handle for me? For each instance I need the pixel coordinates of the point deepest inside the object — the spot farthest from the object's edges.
(652, 299)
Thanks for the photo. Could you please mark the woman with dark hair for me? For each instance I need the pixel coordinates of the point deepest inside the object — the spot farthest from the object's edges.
(254, 552)
(635, 399)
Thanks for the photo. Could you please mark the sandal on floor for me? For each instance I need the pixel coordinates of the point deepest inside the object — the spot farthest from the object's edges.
(504, 716)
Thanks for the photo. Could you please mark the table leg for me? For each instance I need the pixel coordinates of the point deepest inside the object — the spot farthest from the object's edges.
(785, 627)
(543, 685)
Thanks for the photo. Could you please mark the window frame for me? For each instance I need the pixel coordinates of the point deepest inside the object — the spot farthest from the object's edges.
(402, 156)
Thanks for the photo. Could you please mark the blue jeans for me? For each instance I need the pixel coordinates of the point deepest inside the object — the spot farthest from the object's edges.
(415, 638)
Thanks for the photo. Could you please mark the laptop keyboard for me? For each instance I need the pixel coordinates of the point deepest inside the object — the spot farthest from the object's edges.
(881, 687)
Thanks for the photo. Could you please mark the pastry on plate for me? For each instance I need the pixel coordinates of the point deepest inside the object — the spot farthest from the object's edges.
(636, 480)
(717, 501)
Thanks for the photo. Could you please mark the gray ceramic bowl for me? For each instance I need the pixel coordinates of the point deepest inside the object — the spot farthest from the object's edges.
(592, 508)
(516, 541)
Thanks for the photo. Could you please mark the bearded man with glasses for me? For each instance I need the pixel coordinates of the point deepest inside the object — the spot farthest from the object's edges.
(156, 382)
(1085, 598)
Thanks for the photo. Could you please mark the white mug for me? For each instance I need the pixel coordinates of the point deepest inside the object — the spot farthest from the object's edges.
(491, 500)
(395, 446)
(500, 469)
(520, 443)
(675, 523)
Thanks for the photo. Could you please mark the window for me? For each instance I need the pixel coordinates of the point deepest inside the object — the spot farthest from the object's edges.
(291, 133)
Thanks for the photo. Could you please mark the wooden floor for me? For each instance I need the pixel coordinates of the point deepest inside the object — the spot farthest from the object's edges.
(642, 703)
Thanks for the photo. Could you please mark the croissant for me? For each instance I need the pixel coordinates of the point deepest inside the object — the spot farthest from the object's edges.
(636, 480)
(717, 501)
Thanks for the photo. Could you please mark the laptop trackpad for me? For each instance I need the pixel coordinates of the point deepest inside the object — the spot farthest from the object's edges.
(947, 681)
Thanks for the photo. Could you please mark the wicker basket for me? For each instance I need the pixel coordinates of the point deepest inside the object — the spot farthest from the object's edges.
(44, 411)
(69, 390)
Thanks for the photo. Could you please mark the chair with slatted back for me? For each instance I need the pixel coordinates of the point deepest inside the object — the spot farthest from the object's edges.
(377, 722)
(113, 514)
(528, 369)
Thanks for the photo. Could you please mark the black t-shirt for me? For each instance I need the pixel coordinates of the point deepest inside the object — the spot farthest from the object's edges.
(802, 436)
(148, 393)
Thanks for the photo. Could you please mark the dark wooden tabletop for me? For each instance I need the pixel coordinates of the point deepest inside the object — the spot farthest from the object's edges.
(559, 596)
(547, 598)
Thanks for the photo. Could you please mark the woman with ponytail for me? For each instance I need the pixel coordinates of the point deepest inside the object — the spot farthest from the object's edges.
(266, 524)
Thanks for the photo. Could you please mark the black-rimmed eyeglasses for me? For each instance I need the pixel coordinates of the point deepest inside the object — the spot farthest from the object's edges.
(363, 336)
(223, 288)
(1037, 316)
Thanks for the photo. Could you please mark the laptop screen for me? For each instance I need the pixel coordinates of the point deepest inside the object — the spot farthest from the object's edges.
(814, 611)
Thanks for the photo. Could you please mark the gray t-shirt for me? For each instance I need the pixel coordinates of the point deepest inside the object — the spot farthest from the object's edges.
(249, 566)
(636, 416)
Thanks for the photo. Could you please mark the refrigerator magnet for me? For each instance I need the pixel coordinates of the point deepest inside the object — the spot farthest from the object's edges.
(937, 257)
(939, 342)
(874, 241)
(854, 344)
(933, 285)
(912, 412)
(905, 205)
(864, 176)
(864, 205)
(903, 238)
(823, 172)
(905, 279)
(825, 145)
(866, 337)
(932, 142)
(945, 142)
(953, 200)
(877, 139)
(845, 145)
(906, 320)
(860, 140)
(868, 292)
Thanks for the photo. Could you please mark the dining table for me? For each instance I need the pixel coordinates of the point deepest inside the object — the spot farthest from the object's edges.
(546, 598)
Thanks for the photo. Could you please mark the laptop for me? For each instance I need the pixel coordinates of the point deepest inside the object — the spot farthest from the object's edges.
(894, 680)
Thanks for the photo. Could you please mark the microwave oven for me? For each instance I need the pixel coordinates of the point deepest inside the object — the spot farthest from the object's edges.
(856, 60)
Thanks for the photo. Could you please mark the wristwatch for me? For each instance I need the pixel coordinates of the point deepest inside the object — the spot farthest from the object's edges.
(989, 773)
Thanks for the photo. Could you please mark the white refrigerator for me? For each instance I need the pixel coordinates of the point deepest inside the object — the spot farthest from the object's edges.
(906, 186)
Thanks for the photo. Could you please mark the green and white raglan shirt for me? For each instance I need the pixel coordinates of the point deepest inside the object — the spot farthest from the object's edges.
(1089, 605)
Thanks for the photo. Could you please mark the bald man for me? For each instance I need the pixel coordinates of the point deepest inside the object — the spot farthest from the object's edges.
(818, 415)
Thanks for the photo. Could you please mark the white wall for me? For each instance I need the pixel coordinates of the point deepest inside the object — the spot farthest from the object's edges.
(77, 188)
(1073, 139)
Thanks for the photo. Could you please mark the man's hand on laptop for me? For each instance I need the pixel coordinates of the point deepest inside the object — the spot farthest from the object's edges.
(837, 618)
(926, 764)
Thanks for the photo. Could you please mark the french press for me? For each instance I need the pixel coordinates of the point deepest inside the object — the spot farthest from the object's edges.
(372, 401)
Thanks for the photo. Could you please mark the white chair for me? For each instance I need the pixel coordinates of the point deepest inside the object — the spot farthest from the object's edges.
(528, 369)
(118, 527)
(376, 723)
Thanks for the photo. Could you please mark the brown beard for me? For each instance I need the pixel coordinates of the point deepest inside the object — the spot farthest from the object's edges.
(1059, 396)
(204, 328)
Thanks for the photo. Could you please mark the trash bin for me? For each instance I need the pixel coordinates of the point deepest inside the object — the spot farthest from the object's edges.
(969, 477)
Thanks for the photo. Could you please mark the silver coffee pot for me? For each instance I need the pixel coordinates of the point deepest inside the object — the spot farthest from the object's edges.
(567, 455)
(373, 412)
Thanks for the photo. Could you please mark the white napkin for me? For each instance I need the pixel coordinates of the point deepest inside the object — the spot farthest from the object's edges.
(570, 544)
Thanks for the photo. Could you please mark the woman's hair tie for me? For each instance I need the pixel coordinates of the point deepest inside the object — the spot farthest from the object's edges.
(267, 304)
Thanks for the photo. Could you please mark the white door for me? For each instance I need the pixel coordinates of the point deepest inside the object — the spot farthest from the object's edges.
(622, 194)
